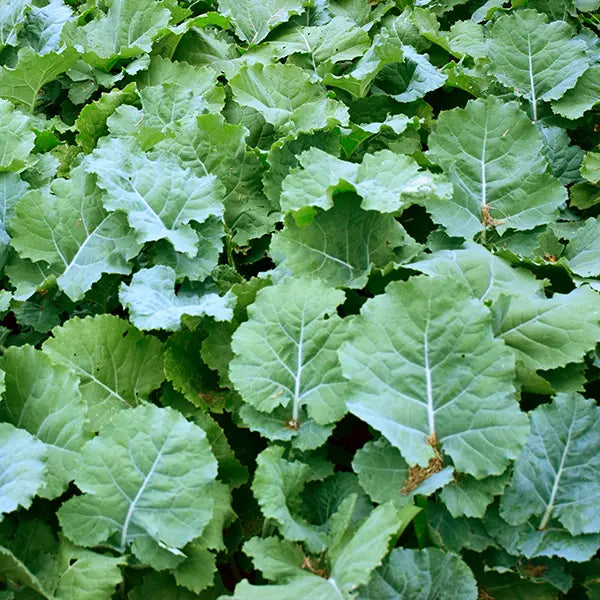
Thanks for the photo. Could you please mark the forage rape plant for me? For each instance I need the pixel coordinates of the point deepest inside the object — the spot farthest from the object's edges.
(300, 299)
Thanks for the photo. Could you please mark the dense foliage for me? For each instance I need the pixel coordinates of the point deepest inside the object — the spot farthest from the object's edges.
(300, 299)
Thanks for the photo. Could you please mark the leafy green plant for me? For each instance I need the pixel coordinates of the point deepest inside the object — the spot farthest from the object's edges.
(300, 298)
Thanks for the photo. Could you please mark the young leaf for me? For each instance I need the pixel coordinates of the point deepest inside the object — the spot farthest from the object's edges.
(285, 354)
(427, 574)
(146, 477)
(494, 157)
(557, 470)
(428, 349)
(153, 304)
(43, 398)
(538, 59)
(22, 467)
(117, 364)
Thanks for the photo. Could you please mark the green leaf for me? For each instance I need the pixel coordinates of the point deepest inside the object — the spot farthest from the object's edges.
(197, 571)
(23, 83)
(590, 169)
(117, 364)
(445, 379)
(556, 471)
(16, 138)
(153, 304)
(539, 60)
(125, 30)
(254, 19)
(22, 467)
(285, 354)
(386, 181)
(69, 229)
(582, 97)
(583, 250)
(546, 333)
(425, 574)
(44, 25)
(160, 197)
(565, 160)
(494, 157)
(12, 17)
(13, 570)
(44, 399)
(341, 245)
(146, 477)
(485, 274)
(285, 96)
(210, 145)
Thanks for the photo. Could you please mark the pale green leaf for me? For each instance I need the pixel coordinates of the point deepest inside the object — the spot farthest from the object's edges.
(44, 25)
(546, 333)
(146, 476)
(16, 138)
(69, 229)
(590, 169)
(427, 574)
(494, 157)
(197, 571)
(583, 97)
(341, 245)
(426, 347)
(22, 467)
(22, 84)
(565, 159)
(386, 181)
(43, 398)
(539, 60)
(117, 364)
(153, 304)
(160, 197)
(557, 470)
(285, 354)
(286, 97)
(255, 18)
(583, 250)
(12, 18)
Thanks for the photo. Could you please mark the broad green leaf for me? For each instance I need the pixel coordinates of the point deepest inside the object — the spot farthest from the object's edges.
(146, 477)
(494, 157)
(539, 60)
(125, 30)
(254, 19)
(583, 250)
(556, 471)
(285, 354)
(427, 347)
(16, 138)
(12, 189)
(210, 145)
(117, 364)
(341, 245)
(302, 586)
(546, 333)
(197, 571)
(285, 96)
(69, 229)
(387, 182)
(277, 559)
(12, 17)
(583, 97)
(22, 84)
(486, 275)
(43, 398)
(337, 41)
(22, 467)
(44, 25)
(153, 304)
(160, 197)
(425, 574)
